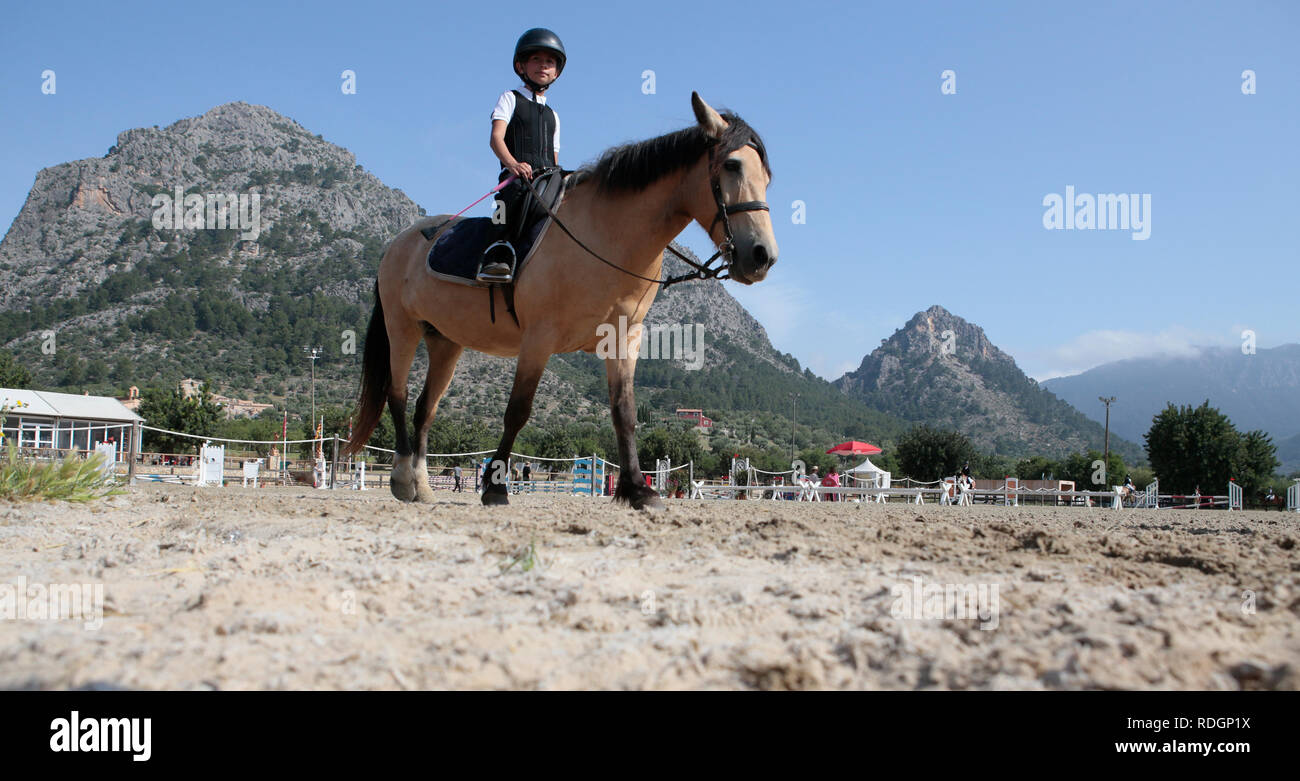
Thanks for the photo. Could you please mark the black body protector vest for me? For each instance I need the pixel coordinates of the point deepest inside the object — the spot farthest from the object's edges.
(530, 136)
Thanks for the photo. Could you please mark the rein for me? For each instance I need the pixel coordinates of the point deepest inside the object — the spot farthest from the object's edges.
(702, 271)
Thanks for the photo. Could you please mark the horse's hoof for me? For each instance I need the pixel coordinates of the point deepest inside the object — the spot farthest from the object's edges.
(640, 498)
(650, 503)
(423, 493)
(492, 498)
(403, 480)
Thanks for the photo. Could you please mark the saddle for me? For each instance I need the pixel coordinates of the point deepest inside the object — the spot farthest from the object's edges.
(549, 186)
(459, 242)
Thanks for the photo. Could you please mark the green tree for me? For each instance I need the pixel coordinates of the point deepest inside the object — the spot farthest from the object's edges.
(812, 457)
(675, 442)
(12, 373)
(96, 371)
(455, 435)
(1038, 468)
(262, 428)
(552, 442)
(887, 460)
(1256, 461)
(76, 372)
(196, 415)
(992, 466)
(1086, 472)
(336, 421)
(1142, 476)
(1190, 448)
(929, 454)
(122, 369)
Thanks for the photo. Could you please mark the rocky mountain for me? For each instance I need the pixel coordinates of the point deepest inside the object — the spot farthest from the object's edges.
(85, 220)
(1260, 390)
(106, 254)
(943, 371)
(1288, 452)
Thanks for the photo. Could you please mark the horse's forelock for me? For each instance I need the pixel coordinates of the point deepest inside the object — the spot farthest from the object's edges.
(739, 134)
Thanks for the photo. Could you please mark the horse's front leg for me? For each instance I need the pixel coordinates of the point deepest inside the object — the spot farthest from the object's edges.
(528, 372)
(620, 371)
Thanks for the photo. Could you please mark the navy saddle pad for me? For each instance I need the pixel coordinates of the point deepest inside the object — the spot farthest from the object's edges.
(457, 251)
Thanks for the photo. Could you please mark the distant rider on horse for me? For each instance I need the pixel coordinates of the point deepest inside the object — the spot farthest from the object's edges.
(1128, 490)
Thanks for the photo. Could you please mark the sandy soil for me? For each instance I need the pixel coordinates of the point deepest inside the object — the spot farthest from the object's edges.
(298, 589)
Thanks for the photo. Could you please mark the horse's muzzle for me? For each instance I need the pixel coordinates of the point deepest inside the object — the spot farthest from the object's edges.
(751, 262)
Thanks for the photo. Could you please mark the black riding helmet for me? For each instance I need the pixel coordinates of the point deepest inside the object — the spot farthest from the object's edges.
(539, 39)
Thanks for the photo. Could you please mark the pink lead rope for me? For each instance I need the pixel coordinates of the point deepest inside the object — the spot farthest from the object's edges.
(485, 195)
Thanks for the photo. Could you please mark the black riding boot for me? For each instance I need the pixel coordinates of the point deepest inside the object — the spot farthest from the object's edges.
(498, 263)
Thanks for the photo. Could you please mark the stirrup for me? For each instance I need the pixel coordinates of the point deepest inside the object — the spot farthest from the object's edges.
(487, 253)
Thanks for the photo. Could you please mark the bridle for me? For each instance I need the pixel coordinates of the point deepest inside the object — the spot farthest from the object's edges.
(728, 244)
(703, 270)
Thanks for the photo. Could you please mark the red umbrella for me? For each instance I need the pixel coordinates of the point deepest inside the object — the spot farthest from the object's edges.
(854, 448)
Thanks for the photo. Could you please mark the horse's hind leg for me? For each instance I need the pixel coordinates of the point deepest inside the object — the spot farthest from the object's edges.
(403, 339)
(443, 354)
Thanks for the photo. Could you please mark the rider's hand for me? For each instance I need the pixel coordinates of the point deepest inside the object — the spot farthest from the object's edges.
(523, 170)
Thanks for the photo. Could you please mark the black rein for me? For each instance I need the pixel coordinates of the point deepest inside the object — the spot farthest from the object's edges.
(702, 271)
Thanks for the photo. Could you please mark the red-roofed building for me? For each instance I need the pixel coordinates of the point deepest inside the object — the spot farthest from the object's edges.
(696, 415)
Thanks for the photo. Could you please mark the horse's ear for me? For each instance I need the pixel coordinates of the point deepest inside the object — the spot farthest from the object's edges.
(710, 120)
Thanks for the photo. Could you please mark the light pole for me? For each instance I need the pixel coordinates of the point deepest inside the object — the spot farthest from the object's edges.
(1105, 459)
(313, 353)
(794, 420)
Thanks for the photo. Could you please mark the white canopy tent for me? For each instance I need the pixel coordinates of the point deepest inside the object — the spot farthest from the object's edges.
(869, 475)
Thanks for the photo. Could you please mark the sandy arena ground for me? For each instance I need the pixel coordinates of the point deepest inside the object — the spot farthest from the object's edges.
(285, 588)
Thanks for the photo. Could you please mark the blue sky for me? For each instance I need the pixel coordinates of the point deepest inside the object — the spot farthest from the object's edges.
(913, 197)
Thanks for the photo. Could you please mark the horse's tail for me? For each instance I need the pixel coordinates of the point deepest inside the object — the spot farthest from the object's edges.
(376, 379)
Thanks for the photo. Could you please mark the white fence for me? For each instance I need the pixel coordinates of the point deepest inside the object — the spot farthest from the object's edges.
(1150, 498)
(210, 471)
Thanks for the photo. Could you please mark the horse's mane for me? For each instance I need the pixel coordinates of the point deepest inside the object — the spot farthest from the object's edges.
(635, 166)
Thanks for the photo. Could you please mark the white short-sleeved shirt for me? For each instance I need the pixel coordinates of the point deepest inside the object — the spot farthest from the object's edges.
(505, 109)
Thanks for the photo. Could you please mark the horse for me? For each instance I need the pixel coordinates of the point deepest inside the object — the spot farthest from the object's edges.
(1129, 495)
(628, 206)
(1268, 502)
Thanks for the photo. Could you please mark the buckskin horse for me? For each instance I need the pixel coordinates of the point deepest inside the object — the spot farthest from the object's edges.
(617, 217)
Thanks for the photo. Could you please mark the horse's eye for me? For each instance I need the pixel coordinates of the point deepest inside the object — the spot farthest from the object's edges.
(732, 165)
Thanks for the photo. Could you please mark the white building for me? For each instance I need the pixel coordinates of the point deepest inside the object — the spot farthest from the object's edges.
(42, 420)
